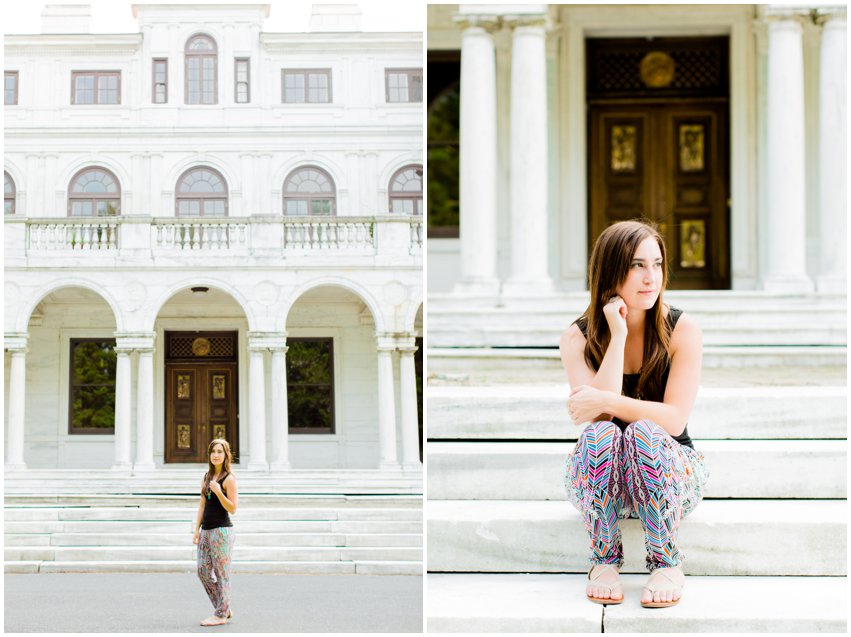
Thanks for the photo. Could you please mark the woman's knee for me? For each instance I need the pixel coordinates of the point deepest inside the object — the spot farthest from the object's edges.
(645, 429)
(600, 438)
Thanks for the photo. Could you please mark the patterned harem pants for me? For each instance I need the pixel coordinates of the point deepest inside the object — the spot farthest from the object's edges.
(639, 472)
(214, 553)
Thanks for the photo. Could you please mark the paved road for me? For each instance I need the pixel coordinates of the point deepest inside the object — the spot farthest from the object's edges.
(170, 603)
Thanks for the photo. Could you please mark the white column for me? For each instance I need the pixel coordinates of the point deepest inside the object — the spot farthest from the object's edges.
(145, 411)
(786, 231)
(478, 157)
(529, 160)
(410, 422)
(122, 409)
(832, 156)
(280, 414)
(386, 405)
(17, 402)
(257, 409)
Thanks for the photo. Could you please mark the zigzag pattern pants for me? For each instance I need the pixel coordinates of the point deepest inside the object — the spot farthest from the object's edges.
(641, 472)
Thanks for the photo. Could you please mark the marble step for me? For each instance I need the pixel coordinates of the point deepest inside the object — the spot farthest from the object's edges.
(166, 481)
(720, 537)
(726, 318)
(187, 514)
(535, 603)
(246, 500)
(187, 552)
(513, 360)
(381, 540)
(529, 412)
(359, 567)
(185, 525)
(738, 469)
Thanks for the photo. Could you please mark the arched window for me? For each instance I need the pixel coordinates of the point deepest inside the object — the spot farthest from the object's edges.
(94, 192)
(309, 191)
(406, 191)
(8, 194)
(201, 70)
(201, 192)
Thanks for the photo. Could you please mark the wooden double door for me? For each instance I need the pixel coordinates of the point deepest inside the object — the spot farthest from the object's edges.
(201, 396)
(668, 162)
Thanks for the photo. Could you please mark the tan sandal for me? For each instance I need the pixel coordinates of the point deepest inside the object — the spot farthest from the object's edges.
(650, 587)
(611, 587)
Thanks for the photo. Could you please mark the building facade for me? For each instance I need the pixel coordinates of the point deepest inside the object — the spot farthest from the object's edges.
(724, 124)
(213, 231)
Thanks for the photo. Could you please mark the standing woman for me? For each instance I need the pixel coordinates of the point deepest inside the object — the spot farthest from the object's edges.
(633, 364)
(215, 537)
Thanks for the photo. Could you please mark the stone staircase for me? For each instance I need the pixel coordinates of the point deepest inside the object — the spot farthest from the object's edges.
(103, 523)
(765, 551)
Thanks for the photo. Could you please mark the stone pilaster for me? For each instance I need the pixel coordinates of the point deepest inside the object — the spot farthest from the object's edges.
(16, 345)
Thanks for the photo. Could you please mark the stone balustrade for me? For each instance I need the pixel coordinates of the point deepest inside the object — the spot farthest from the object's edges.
(386, 236)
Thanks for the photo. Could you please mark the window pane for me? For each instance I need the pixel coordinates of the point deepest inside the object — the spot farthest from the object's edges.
(159, 95)
(416, 88)
(84, 89)
(214, 208)
(93, 384)
(310, 390)
(296, 206)
(242, 93)
(81, 208)
(321, 207)
(8, 206)
(107, 208)
(10, 84)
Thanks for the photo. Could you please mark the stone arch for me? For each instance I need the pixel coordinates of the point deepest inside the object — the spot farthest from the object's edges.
(169, 185)
(338, 174)
(26, 311)
(355, 288)
(151, 315)
(412, 311)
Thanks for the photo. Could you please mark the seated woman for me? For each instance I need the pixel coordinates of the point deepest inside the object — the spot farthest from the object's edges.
(633, 364)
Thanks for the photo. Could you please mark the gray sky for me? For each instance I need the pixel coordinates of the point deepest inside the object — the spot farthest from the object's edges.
(116, 16)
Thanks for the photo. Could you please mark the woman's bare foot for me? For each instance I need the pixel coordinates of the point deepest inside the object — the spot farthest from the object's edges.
(664, 587)
(604, 583)
(213, 620)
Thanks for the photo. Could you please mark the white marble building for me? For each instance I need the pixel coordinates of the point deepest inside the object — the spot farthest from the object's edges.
(238, 191)
(530, 200)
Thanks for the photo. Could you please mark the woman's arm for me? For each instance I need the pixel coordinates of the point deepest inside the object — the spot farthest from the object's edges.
(680, 392)
(610, 375)
(230, 501)
(198, 517)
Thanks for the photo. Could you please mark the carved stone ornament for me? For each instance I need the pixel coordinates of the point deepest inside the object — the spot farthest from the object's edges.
(200, 347)
(657, 69)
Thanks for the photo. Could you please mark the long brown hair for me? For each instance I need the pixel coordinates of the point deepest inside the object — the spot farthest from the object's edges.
(211, 469)
(610, 262)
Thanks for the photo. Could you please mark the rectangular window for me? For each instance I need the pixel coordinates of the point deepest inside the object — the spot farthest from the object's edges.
(299, 86)
(160, 81)
(404, 85)
(10, 87)
(96, 87)
(241, 94)
(310, 385)
(91, 390)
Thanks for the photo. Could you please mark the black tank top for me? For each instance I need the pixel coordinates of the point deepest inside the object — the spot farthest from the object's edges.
(630, 381)
(215, 515)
